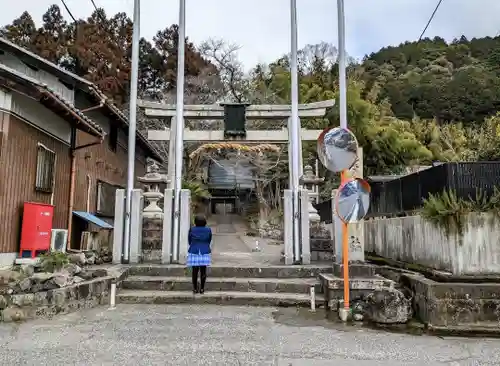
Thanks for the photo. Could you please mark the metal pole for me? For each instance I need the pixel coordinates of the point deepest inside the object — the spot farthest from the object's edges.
(112, 297)
(342, 65)
(343, 124)
(179, 129)
(132, 130)
(312, 291)
(316, 190)
(294, 128)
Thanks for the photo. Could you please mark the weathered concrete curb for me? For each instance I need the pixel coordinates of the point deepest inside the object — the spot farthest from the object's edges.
(217, 298)
(268, 285)
(228, 271)
(46, 304)
(465, 331)
(417, 328)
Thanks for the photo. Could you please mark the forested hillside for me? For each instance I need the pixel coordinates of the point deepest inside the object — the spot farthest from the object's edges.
(411, 104)
(459, 81)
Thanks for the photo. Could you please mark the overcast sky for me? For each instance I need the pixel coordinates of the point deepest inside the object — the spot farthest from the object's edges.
(261, 27)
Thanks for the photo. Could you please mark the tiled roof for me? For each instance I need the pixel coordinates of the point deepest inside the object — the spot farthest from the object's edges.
(44, 88)
(91, 87)
(125, 120)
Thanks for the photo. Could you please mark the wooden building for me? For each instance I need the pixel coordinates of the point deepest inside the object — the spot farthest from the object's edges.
(62, 142)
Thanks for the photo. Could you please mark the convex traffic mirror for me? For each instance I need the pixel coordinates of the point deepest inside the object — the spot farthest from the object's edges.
(353, 200)
(337, 149)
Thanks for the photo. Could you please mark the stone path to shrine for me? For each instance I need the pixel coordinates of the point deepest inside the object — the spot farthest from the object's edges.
(191, 335)
(232, 247)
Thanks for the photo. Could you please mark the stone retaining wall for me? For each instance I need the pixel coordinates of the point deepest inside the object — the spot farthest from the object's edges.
(46, 304)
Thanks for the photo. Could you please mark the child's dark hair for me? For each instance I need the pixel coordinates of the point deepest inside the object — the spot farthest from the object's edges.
(200, 220)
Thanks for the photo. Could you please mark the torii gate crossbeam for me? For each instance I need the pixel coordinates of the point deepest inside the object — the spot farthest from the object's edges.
(216, 112)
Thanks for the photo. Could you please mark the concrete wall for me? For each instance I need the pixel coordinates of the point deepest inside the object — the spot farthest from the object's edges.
(412, 239)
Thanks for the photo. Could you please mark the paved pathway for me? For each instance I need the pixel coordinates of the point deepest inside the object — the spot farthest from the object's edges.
(232, 247)
(216, 335)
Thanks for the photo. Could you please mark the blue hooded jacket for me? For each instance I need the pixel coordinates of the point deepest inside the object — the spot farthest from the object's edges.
(199, 239)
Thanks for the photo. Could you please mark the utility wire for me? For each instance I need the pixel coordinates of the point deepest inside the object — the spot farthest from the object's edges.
(93, 3)
(99, 14)
(430, 20)
(77, 61)
(69, 11)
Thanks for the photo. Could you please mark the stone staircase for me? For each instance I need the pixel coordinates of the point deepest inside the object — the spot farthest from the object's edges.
(258, 286)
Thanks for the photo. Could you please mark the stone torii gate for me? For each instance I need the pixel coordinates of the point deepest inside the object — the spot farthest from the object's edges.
(217, 112)
(250, 112)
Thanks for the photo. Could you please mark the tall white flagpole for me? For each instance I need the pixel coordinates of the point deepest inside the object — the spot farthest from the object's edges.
(294, 126)
(179, 130)
(132, 130)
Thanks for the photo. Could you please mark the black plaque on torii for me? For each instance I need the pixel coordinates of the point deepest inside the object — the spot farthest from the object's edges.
(234, 119)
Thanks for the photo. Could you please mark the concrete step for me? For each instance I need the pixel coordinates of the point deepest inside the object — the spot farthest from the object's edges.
(231, 272)
(217, 297)
(268, 285)
(359, 287)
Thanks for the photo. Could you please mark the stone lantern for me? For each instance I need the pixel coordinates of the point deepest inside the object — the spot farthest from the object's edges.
(152, 194)
(310, 181)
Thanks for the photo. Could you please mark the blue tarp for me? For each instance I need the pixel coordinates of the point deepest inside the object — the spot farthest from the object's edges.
(87, 216)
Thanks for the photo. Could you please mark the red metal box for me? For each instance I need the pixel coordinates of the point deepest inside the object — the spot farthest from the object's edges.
(36, 228)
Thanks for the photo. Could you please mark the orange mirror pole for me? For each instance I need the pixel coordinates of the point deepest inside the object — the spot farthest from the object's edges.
(345, 249)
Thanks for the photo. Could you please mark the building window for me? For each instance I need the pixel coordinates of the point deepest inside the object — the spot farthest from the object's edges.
(45, 169)
(113, 138)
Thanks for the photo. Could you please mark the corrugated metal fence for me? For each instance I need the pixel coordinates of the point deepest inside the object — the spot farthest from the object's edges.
(406, 194)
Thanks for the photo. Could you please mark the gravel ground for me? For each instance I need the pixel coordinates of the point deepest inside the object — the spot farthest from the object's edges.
(224, 335)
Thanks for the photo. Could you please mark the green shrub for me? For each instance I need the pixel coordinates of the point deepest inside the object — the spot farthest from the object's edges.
(448, 211)
(53, 261)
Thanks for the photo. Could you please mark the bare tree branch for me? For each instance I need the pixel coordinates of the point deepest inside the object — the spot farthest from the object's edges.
(225, 58)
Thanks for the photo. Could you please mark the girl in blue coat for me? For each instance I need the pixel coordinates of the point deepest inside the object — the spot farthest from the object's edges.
(199, 252)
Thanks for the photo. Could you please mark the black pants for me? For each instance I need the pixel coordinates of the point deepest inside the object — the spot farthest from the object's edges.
(203, 277)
